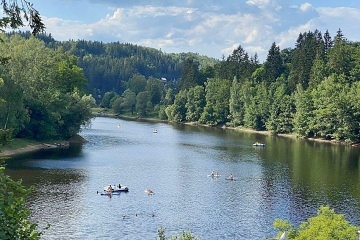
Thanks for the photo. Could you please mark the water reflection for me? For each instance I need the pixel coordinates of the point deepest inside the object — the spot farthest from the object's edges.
(288, 179)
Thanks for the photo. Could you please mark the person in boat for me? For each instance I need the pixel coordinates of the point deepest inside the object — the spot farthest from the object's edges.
(217, 173)
(212, 173)
(119, 186)
(231, 177)
(110, 189)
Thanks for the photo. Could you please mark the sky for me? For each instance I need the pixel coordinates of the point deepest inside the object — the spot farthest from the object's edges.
(208, 27)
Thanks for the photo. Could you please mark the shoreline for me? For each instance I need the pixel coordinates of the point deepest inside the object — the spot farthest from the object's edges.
(33, 147)
(241, 129)
(10, 151)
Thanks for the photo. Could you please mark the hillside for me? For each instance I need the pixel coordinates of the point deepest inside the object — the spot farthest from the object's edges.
(108, 66)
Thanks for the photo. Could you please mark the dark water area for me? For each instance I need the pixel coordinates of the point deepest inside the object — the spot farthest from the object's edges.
(288, 179)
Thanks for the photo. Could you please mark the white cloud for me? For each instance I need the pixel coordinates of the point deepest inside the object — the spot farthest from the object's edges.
(212, 30)
(305, 7)
(258, 3)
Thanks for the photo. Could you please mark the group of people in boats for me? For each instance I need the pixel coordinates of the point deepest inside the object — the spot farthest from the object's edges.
(111, 189)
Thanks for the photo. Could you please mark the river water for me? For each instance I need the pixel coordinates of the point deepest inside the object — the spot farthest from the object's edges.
(288, 179)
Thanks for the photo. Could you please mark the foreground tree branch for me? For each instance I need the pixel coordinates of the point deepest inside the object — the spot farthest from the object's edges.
(18, 11)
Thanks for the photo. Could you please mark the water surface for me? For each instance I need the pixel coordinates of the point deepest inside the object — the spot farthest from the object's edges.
(288, 179)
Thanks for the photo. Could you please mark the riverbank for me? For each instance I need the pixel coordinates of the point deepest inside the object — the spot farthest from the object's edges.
(28, 146)
(23, 146)
(241, 129)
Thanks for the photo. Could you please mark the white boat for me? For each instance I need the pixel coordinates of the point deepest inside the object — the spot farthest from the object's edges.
(257, 144)
(155, 131)
(115, 189)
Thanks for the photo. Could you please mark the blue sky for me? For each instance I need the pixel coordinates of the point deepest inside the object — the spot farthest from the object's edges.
(213, 28)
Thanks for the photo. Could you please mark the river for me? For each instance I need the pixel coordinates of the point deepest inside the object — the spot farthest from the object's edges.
(287, 179)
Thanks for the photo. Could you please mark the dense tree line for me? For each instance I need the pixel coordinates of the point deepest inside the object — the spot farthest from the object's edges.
(42, 91)
(312, 90)
(109, 66)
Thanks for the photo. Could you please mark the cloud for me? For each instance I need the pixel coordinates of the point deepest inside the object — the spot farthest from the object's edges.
(213, 29)
(258, 3)
(305, 7)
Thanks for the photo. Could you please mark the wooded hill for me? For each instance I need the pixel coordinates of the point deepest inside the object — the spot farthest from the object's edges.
(109, 66)
(311, 90)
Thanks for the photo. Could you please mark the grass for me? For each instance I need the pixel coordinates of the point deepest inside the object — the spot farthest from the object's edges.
(17, 143)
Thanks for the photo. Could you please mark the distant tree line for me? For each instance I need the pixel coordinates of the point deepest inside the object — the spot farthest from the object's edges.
(311, 90)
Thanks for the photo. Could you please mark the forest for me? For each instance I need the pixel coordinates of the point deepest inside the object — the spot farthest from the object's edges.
(311, 90)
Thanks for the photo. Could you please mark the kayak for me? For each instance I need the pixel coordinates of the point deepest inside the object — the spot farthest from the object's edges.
(231, 179)
(212, 175)
(110, 193)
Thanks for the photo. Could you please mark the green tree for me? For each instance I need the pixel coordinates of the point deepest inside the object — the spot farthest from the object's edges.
(303, 117)
(195, 103)
(308, 46)
(137, 83)
(190, 74)
(273, 65)
(40, 77)
(282, 108)
(129, 101)
(155, 87)
(15, 13)
(106, 100)
(257, 105)
(183, 236)
(236, 104)
(216, 110)
(177, 112)
(340, 58)
(14, 215)
(333, 115)
(326, 225)
(142, 103)
(70, 77)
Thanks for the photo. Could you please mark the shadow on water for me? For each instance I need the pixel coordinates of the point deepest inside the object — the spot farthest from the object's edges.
(287, 179)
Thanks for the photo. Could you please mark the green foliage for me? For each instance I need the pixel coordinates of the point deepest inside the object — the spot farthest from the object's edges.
(143, 103)
(236, 104)
(183, 236)
(273, 66)
(311, 90)
(107, 99)
(303, 117)
(177, 111)
(281, 109)
(326, 225)
(5, 136)
(333, 112)
(195, 103)
(42, 89)
(14, 216)
(15, 13)
(257, 105)
(216, 110)
(190, 74)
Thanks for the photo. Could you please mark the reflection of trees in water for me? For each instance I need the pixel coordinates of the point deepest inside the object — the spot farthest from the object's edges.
(314, 173)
